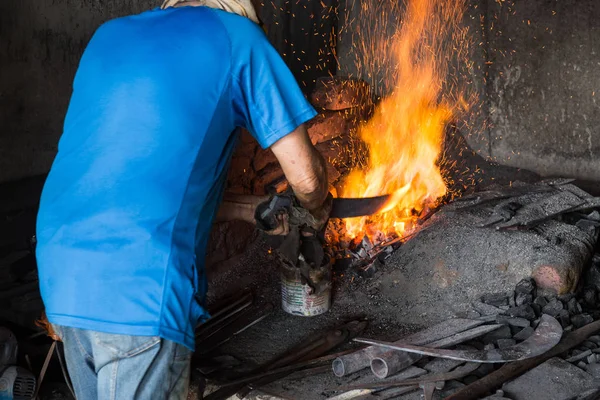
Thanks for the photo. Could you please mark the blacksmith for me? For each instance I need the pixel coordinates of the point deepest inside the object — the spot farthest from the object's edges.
(129, 202)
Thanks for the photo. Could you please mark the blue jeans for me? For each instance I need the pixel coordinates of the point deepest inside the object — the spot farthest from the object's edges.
(105, 366)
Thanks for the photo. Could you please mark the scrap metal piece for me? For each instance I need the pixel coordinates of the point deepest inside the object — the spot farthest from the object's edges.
(590, 204)
(228, 308)
(350, 208)
(289, 369)
(244, 322)
(546, 336)
(393, 393)
(576, 190)
(428, 389)
(509, 371)
(503, 212)
(488, 196)
(457, 373)
(352, 394)
(391, 361)
(412, 372)
(314, 347)
(547, 208)
(361, 359)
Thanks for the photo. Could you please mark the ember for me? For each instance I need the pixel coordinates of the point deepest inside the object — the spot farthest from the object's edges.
(405, 134)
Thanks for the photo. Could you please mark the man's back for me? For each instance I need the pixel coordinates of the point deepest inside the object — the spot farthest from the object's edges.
(141, 165)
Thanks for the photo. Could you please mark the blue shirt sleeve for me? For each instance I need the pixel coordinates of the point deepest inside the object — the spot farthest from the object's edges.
(266, 98)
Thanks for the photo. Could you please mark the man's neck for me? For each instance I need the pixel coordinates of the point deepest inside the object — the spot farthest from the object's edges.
(191, 3)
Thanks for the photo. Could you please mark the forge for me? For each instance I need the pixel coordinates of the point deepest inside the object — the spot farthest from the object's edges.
(477, 118)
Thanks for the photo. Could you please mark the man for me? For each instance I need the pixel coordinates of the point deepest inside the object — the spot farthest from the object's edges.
(138, 178)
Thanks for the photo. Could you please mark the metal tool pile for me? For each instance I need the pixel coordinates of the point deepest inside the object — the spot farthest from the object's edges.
(472, 358)
(233, 315)
(525, 206)
(230, 317)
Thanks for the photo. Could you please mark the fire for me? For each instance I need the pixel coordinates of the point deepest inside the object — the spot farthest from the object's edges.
(405, 135)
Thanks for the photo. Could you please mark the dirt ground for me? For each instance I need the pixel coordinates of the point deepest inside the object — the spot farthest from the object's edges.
(353, 298)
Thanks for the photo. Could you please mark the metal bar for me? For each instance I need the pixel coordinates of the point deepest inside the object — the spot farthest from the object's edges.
(389, 362)
(211, 328)
(546, 336)
(509, 371)
(458, 373)
(361, 359)
(309, 349)
(246, 321)
(290, 368)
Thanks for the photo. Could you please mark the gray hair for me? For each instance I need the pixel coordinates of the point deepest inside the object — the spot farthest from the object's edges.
(244, 8)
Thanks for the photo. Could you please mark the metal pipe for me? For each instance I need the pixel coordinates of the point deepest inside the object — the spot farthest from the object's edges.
(510, 371)
(388, 361)
(349, 363)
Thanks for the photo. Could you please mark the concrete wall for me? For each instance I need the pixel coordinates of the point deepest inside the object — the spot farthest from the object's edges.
(41, 42)
(537, 73)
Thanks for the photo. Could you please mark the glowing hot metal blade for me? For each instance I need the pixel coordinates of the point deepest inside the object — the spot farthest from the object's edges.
(350, 208)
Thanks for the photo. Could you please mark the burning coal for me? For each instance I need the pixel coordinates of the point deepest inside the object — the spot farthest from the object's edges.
(405, 135)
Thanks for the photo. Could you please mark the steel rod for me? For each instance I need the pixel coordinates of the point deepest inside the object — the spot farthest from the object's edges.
(509, 371)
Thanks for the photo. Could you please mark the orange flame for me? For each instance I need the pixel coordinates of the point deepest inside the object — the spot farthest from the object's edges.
(405, 135)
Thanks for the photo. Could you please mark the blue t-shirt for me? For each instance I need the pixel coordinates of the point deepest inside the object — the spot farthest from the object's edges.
(129, 202)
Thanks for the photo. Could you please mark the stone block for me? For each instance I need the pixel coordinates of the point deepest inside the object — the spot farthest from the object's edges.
(227, 240)
(594, 370)
(524, 334)
(263, 158)
(523, 311)
(525, 286)
(340, 93)
(500, 333)
(553, 308)
(266, 176)
(555, 379)
(523, 298)
(495, 299)
(331, 124)
(581, 320)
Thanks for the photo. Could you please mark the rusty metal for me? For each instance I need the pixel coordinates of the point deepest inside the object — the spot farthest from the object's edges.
(312, 348)
(359, 393)
(246, 320)
(510, 371)
(428, 389)
(361, 359)
(225, 316)
(546, 336)
(388, 362)
(290, 368)
(458, 373)
(393, 393)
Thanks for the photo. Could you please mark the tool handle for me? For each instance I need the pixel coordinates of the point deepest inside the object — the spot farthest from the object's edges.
(266, 213)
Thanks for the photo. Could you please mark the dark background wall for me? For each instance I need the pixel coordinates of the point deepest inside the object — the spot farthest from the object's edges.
(41, 42)
(536, 71)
